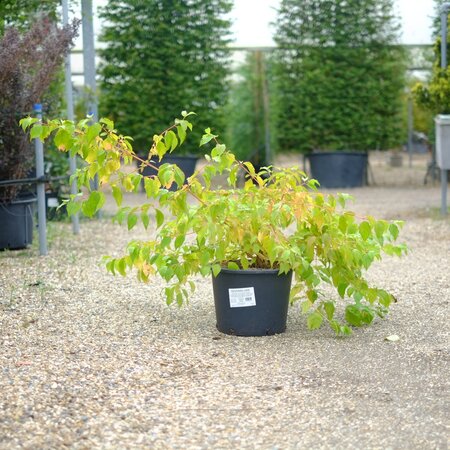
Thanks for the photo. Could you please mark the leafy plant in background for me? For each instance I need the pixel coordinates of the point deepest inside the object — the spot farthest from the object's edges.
(28, 64)
(339, 75)
(162, 56)
(435, 95)
(22, 13)
(276, 221)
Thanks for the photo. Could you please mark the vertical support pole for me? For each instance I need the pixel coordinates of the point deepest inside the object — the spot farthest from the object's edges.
(89, 56)
(266, 111)
(444, 18)
(42, 225)
(70, 116)
(444, 182)
(410, 128)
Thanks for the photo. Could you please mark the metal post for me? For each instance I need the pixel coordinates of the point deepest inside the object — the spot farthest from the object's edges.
(70, 116)
(42, 225)
(410, 129)
(89, 56)
(265, 94)
(444, 17)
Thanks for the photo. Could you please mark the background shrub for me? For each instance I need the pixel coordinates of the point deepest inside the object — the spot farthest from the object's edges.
(339, 75)
(162, 57)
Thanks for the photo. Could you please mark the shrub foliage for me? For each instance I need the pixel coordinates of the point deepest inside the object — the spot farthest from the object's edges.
(163, 56)
(340, 76)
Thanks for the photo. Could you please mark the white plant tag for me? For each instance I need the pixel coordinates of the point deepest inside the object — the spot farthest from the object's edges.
(52, 202)
(242, 297)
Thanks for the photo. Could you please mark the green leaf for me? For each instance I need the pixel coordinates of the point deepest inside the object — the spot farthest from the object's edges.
(145, 219)
(27, 121)
(152, 186)
(233, 266)
(63, 139)
(342, 287)
(306, 306)
(315, 320)
(217, 152)
(179, 176)
(159, 218)
(73, 207)
(166, 174)
(393, 229)
(161, 148)
(36, 131)
(117, 194)
(95, 201)
(93, 131)
(380, 228)
(207, 137)
(358, 315)
(181, 133)
(343, 223)
(132, 220)
(179, 241)
(352, 316)
(365, 230)
(165, 241)
(329, 310)
(171, 140)
(216, 268)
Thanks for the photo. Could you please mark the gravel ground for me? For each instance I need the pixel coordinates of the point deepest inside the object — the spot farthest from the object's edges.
(92, 361)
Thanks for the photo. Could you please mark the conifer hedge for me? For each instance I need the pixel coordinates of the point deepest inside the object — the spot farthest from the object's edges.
(162, 57)
(340, 76)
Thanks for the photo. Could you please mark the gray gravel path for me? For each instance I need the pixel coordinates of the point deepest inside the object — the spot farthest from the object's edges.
(89, 361)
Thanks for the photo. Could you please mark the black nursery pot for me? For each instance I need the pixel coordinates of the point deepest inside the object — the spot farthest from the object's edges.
(251, 302)
(16, 224)
(185, 163)
(339, 169)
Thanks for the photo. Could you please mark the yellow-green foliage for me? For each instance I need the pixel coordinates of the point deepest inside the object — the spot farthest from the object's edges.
(435, 95)
(277, 220)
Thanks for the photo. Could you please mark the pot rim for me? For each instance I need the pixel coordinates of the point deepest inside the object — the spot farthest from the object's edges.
(252, 271)
(338, 152)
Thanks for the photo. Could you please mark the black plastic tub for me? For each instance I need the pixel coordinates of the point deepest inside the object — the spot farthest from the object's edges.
(185, 163)
(339, 169)
(251, 302)
(16, 223)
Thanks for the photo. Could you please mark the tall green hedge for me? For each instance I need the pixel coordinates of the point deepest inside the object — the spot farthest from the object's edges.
(340, 77)
(162, 57)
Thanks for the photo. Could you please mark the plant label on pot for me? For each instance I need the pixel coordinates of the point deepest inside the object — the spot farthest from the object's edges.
(242, 297)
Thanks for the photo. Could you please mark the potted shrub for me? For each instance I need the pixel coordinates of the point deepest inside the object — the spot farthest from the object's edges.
(339, 79)
(28, 65)
(253, 241)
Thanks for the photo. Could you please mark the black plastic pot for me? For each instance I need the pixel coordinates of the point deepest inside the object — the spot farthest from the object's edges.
(339, 169)
(185, 163)
(251, 302)
(16, 223)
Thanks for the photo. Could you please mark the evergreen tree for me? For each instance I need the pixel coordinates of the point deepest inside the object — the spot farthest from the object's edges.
(162, 57)
(340, 76)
